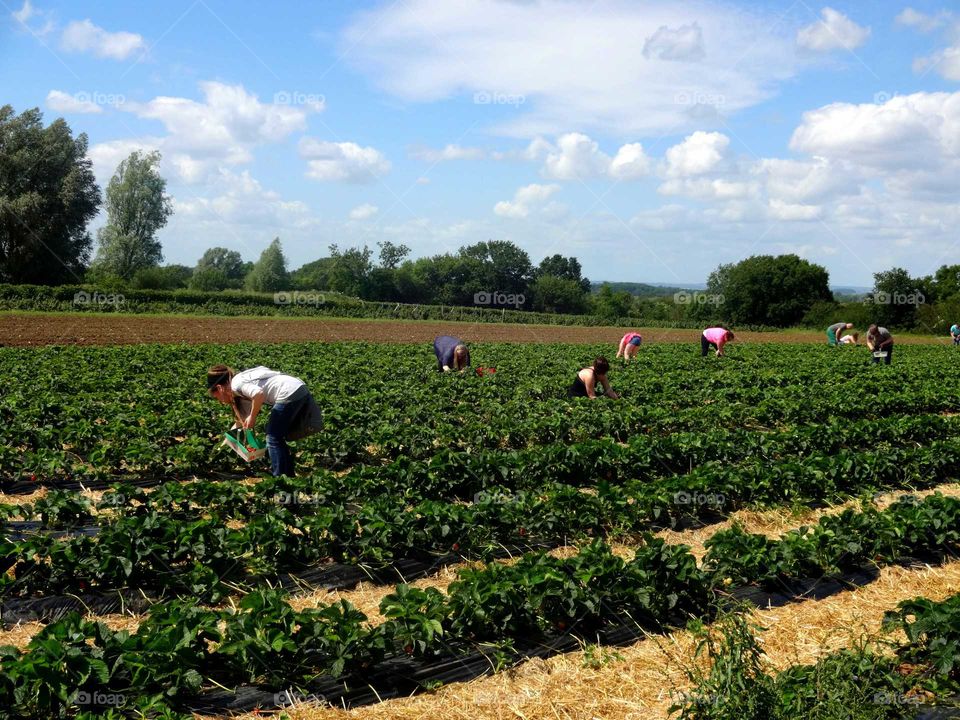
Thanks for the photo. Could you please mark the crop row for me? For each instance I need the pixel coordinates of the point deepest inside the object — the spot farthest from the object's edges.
(178, 537)
(181, 648)
(81, 416)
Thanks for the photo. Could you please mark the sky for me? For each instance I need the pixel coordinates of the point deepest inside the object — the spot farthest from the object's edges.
(652, 140)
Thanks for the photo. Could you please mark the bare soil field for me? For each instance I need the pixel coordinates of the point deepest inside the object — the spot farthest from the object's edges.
(89, 329)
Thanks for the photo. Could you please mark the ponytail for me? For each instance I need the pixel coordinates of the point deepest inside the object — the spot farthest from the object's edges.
(219, 375)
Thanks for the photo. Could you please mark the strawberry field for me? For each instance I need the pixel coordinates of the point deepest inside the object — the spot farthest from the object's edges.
(119, 499)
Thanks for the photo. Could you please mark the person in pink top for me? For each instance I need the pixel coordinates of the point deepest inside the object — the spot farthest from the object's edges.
(629, 344)
(714, 337)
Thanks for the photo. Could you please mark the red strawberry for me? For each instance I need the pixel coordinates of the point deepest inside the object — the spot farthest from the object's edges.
(408, 649)
(456, 546)
(522, 532)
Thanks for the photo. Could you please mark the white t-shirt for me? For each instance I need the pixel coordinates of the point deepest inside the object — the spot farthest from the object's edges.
(276, 387)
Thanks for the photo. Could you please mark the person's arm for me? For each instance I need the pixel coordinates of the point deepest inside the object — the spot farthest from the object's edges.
(256, 402)
(886, 343)
(870, 343)
(610, 393)
(720, 344)
(623, 345)
(837, 333)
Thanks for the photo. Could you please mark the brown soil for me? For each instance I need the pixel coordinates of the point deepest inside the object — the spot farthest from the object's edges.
(79, 329)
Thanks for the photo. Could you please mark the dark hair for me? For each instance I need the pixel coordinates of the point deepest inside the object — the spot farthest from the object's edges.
(730, 335)
(872, 330)
(601, 365)
(219, 375)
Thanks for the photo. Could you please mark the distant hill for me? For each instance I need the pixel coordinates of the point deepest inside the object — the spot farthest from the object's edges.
(643, 289)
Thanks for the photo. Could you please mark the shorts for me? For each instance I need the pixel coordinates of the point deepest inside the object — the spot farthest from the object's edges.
(635, 341)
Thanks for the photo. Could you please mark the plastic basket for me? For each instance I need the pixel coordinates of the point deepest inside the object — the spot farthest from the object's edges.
(244, 443)
(880, 354)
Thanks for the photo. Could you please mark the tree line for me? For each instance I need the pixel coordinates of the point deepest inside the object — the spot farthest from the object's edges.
(48, 195)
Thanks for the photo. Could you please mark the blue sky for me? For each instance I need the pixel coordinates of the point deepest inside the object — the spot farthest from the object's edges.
(651, 140)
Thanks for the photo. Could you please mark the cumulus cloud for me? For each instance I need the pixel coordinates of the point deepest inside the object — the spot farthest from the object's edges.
(524, 200)
(364, 212)
(577, 156)
(84, 36)
(781, 210)
(448, 152)
(922, 21)
(834, 31)
(709, 188)
(921, 130)
(598, 78)
(344, 161)
(60, 101)
(699, 153)
(684, 43)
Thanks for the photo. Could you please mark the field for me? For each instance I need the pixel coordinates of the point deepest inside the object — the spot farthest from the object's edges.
(559, 547)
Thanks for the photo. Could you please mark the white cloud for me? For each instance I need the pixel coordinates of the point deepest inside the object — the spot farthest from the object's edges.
(708, 189)
(798, 181)
(364, 212)
(345, 161)
(106, 156)
(699, 153)
(24, 14)
(921, 130)
(84, 36)
(449, 152)
(629, 163)
(61, 102)
(922, 21)
(781, 210)
(946, 62)
(834, 31)
(524, 200)
(577, 156)
(597, 78)
(684, 43)
(29, 12)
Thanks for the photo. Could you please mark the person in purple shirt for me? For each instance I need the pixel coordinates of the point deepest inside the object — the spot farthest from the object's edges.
(714, 337)
(451, 353)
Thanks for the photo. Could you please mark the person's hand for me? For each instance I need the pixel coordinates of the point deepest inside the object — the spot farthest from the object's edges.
(249, 422)
(446, 368)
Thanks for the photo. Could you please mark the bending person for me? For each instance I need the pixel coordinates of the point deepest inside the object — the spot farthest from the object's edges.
(451, 353)
(879, 339)
(587, 380)
(715, 337)
(288, 396)
(851, 339)
(629, 344)
(955, 334)
(833, 332)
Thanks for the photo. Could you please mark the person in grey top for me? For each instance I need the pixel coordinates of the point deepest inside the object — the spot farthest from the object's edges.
(833, 332)
(879, 338)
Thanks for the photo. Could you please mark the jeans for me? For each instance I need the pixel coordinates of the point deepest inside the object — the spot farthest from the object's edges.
(281, 417)
(705, 345)
(889, 350)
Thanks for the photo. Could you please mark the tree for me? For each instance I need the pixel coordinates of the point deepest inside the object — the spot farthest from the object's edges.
(612, 305)
(502, 266)
(312, 276)
(269, 274)
(392, 255)
(168, 277)
(896, 297)
(561, 267)
(208, 279)
(137, 207)
(764, 290)
(350, 270)
(47, 196)
(226, 261)
(947, 282)
(558, 294)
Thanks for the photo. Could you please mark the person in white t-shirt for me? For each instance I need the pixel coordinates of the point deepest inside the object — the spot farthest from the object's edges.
(261, 386)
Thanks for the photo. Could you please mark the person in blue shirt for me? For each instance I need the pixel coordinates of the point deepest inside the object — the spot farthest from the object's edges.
(955, 334)
(451, 354)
